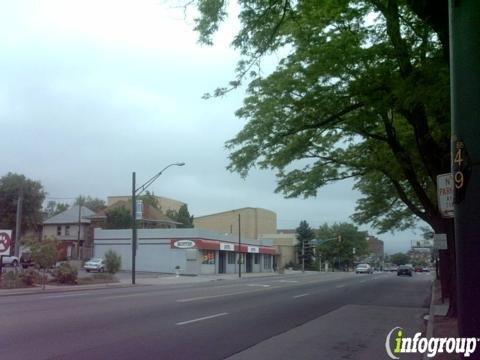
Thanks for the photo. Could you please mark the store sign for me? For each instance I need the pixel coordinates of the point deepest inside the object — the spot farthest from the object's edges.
(184, 244)
(227, 247)
(440, 241)
(253, 249)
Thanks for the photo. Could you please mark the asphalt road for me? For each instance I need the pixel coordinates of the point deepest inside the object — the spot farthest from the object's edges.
(212, 320)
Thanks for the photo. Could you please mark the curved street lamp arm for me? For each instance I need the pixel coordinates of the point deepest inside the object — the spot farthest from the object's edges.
(144, 187)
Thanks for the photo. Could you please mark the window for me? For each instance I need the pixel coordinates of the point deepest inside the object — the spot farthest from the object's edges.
(208, 257)
(231, 257)
(257, 258)
(67, 230)
(59, 230)
(267, 262)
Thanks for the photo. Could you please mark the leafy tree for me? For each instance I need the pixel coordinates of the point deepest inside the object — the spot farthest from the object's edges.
(44, 254)
(33, 195)
(400, 259)
(53, 208)
(304, 247)
(118, 218)
(113, 261)
(94, 204)
(361, 91)
(182, 216)
(149, 199)
(338, 242)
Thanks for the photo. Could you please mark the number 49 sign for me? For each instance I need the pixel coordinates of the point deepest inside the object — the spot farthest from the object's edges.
(461, 171)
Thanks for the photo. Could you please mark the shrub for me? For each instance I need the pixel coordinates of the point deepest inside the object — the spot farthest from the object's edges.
(113, 261)
(30, 277)
(65, 274)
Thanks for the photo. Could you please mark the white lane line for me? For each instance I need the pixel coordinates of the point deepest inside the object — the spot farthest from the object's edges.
(287, 281)
(362, 281)
(201, 319)
(68, 295)
(340, 286)
(259, 285)
(219, 296)
(301, 295)
(123, 296)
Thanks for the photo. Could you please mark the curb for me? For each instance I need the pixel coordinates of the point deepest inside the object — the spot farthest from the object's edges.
(431, 318)
(38, 290)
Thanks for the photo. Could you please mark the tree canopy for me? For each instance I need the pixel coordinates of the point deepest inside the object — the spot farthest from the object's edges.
(33, 195)
(94, 204)
(341, 243)
(305, 235)
(361, 91)
(182, 216)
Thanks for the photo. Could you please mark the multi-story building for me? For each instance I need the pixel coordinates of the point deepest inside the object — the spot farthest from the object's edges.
(253, 222)
(72, 229)
(164, 204)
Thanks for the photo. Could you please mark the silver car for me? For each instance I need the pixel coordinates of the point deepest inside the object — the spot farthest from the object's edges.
(363, 269)
(94, 264)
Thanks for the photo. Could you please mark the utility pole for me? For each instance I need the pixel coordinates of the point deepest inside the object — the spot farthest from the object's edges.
(465, 100)
(303, 255)
(239, 249)
(18, 225)
(134, 226)
(79, 225)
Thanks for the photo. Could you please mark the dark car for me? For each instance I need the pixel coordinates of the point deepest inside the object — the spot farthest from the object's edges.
(404, 270)
(26, 260)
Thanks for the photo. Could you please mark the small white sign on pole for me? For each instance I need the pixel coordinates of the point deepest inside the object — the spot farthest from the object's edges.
(445, 195)
(440, 241)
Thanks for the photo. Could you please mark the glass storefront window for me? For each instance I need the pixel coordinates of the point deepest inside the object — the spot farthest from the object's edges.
(208, 257)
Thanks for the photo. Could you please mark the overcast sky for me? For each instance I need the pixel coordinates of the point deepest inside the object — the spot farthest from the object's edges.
(93, 90)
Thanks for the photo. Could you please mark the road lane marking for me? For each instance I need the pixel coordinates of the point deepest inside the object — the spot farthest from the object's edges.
(259, 285)
(200, 319)
(123, 296)
(220, 295)
(287, 281)
(68, 295)
(299, 296)
(362, 281)
(340, 286)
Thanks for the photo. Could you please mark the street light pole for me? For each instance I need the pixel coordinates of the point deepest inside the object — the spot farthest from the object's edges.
(134, 227)
(137, 191)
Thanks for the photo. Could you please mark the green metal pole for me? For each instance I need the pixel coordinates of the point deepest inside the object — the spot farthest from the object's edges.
(465, 98)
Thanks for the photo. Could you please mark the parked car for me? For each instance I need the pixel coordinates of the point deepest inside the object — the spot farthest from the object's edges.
(10, 260)
(404, 270)
(95, 264)
(363, 269)
(26, 260)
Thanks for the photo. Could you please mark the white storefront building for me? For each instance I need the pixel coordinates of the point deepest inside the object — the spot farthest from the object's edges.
(194, 251)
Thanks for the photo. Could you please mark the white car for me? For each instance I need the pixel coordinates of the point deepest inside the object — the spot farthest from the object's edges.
(363, 269)
(95, 264)
(10, 260)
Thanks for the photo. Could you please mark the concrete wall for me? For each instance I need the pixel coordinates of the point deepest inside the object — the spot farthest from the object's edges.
(254, 221)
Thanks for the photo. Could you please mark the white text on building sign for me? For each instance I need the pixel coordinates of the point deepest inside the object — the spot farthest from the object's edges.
(184, 244)
(445, 195)
(227, 247)
(253, 249)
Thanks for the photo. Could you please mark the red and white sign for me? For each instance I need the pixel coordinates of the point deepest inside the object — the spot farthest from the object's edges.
(227, 246)
(253, 249)
(445, 195)
(5, 241)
